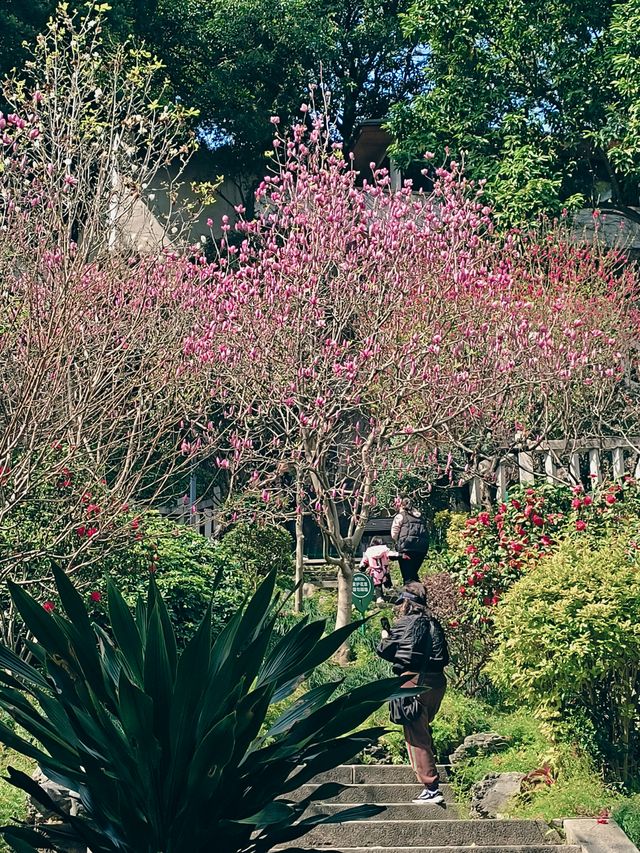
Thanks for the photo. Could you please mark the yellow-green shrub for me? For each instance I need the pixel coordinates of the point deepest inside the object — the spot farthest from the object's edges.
(568, 639)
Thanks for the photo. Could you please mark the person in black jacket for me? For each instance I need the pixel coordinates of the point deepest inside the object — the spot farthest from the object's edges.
(411, 536)
(417, 647)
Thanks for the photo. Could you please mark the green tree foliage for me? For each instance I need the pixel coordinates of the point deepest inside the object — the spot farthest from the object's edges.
(168, 750)
(541, 96)
(568, 642)
(239, 66)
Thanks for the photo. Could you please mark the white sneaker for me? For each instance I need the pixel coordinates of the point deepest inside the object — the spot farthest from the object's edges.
(428, 797)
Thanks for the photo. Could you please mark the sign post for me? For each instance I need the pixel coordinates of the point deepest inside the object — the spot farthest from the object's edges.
(362, 593)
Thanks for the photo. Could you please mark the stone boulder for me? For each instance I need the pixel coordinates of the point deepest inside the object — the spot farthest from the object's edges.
(67, 800)
(490, 796)
(483, 743)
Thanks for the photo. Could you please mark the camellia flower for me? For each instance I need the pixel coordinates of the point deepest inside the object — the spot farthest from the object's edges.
(576, 503)
(587, 500)
(49, 606)
(581, 525)
(610, 499)
(95, 596)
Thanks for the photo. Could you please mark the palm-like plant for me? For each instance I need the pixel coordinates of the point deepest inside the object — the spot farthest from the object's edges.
(168, 752)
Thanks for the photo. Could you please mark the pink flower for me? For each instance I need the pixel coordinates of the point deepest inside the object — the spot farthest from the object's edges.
(81, 530)
(610, 499)
(576, 503)
(587, 500)
(581, 525)
(537, 520)
(95, 596)
(266, 496)
(49, 606)
(91, 531)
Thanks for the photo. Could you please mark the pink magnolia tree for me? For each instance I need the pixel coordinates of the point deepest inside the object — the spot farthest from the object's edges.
(98, 403)
(355, 325)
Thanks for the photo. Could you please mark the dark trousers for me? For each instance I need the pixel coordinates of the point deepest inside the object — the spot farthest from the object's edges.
(410, 564)
(417, 733)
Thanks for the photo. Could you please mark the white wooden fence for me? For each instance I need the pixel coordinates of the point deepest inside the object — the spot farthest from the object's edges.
(587, 461)
(200, 516)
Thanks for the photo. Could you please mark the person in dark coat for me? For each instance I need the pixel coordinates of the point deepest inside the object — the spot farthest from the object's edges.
(411, 537)
(417, 647)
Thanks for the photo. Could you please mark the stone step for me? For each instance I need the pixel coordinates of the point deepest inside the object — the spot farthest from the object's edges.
(396, 811)
(510, 848)
(375, 774)
(383, 794)
(434, 833)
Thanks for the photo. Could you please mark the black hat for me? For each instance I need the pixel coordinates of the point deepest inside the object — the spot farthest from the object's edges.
(405, 595)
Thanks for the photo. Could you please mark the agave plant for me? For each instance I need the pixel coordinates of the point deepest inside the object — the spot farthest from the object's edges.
(169, 752)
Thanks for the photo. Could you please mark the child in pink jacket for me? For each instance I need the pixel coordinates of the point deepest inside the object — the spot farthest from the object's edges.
(376, 561)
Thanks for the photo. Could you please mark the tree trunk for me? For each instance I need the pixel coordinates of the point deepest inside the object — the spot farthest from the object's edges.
(297, 601)
(345, 600)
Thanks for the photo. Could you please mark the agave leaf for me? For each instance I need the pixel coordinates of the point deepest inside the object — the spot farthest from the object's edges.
(44, 626)
(301, 708)
(126, 632)
(73, 604)
(9, 660)
(290, 651)
(136, 714)
(167, 629)
(273, 813)
(23, 839)
(158, 676)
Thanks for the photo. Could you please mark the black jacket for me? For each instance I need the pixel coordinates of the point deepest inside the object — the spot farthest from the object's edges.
(416, 644)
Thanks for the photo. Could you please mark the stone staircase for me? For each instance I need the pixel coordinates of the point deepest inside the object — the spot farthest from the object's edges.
(407, 828)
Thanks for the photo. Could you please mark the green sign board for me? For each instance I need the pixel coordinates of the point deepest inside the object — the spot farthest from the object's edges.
(362, 591)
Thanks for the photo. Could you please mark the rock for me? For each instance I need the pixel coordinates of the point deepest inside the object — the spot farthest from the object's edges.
(490, 796)
(309, 590)
(375, 753)
(483, 743)
(68, 800)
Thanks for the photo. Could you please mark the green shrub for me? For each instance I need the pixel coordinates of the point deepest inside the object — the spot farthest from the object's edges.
(627, 814)
(184, 564)
(568, 640)
(167, 749)
(459, 716)
(259, 549)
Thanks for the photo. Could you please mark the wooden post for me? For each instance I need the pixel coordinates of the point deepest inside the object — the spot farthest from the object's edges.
(475, 495)
(617, 457)
(574, 468)
(550, 466)
(208, 523)
(595, 473)
(501, 480)
(525, 466)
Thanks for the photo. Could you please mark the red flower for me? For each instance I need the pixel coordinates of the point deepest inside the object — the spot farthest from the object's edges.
(515, 503)
(588, 500)
(475, 561)
(546, 540)
(454, 624)
(495, 600)
(91, 531)
(516, 547)
(581, 525)
(577, 489)
(462, 590)
(49, 606)
(576, 503)
(487, 600)
(470, 549)
(95, 596)
(537, 520)
(135, 524)
(81, 530)
(483, 518)
(610, 499)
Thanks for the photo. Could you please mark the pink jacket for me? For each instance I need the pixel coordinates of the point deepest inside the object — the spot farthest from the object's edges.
(376, 560)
